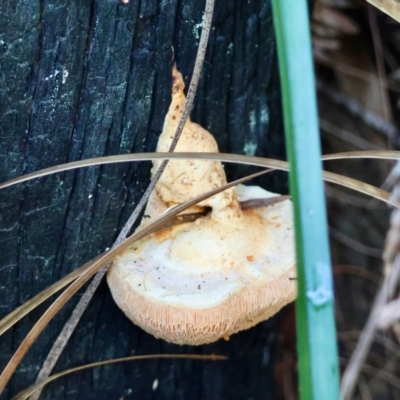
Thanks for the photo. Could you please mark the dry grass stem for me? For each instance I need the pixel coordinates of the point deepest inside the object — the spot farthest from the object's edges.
(33, 389)
(357, 271)
(224, 157)
(239, 159)
(354, 244)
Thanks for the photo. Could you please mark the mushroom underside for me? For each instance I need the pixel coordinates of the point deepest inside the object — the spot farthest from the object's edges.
(195, 326)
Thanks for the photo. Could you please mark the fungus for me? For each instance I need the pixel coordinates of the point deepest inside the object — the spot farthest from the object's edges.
(200, 281)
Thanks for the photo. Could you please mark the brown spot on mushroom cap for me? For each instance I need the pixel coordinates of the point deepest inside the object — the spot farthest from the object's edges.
(168, 233)
(163, 234)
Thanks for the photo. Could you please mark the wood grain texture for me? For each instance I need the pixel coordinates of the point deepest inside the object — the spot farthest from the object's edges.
(89, 78)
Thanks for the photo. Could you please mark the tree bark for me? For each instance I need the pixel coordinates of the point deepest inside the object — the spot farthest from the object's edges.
(82, 79)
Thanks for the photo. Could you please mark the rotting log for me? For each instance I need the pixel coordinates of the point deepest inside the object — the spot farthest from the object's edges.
(90, 78)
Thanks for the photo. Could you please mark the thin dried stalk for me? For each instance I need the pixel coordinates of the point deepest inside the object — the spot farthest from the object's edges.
(32, 389)
(343, 269)
(224, 157)
(269, 201)
(354, 244)
(375, 154)
(239, 159)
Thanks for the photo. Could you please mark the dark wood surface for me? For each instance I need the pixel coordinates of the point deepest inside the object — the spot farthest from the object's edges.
(81, 79)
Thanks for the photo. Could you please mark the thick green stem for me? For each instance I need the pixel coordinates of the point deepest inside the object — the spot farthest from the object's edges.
(316, 332)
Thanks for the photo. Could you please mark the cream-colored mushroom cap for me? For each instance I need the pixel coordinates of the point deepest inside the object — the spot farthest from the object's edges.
(198, 282)
(230, 269)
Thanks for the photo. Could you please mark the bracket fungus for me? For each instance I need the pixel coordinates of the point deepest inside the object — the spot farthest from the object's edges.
(197, 282)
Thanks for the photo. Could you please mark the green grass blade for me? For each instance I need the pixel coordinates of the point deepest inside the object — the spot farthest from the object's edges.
(316, 332)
